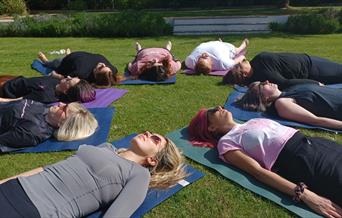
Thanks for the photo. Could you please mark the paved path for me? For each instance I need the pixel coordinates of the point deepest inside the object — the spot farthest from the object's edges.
(223, 25)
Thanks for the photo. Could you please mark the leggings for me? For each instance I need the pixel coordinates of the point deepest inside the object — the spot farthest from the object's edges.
(315, 161)
(54, 64)
(325, 71)
(14, 202)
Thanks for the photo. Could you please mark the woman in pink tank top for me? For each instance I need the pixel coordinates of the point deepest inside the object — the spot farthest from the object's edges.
(309, 169)
(153, 64)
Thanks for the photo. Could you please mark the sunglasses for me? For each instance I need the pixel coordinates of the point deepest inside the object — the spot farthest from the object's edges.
(155, 138)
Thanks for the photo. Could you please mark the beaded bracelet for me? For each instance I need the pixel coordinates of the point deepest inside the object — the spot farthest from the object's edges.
(299, 190)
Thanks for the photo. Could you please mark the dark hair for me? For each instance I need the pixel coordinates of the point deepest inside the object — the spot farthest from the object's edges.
(234, 76)
(82, 92)
(106, 79)
(202, 68)
(252, 100)
(156, 73)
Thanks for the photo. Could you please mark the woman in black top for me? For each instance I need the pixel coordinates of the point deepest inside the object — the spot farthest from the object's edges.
(285, 69)
(26, 123)
(46, 89)
(310, 104)
(94, 68)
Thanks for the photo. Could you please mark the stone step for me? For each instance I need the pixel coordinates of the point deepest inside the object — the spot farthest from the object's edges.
(224, 25)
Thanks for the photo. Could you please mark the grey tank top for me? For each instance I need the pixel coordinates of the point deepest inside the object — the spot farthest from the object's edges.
(93, 178)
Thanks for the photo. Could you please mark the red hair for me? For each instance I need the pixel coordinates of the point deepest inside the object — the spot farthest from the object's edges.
(198, 131)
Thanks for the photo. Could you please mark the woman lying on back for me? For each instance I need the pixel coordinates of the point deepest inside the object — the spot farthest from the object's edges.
(309, 169)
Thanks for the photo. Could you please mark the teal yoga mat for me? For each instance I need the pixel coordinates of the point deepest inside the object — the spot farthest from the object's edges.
(209, 158)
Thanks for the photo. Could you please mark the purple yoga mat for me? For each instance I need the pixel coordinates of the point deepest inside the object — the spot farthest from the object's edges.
(104, 97)
(213, 73)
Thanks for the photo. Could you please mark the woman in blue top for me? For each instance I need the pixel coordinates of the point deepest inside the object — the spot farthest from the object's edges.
(96, 177)
(309, 103)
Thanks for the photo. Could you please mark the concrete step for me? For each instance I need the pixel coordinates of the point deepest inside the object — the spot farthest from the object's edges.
(224, 25)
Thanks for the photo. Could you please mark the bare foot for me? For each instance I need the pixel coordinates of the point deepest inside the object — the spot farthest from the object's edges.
(219, 39)
(246, 41)
(42, 57)
(137, 46)
(68, 51)
(169, 45)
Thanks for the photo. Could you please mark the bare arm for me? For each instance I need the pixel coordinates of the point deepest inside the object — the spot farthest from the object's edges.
(27, 173)
(56, 75)
(5, 100)
(317, 203)
(287, 108)
(239, 59)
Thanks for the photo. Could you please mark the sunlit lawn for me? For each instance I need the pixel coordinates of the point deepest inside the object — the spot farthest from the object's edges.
(163, 108)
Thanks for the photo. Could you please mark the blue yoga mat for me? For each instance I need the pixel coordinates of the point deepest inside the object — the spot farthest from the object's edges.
(38, 66)
(244, 115)
(209, 157)
(154, 197)
(104, 118)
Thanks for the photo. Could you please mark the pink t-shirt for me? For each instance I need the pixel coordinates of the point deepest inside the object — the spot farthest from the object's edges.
(148, 54)
(261, 139)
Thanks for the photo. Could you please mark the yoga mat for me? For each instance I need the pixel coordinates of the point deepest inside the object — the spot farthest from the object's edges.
(104, 118)
(38, 66)
(171, 80)
(154, 197)
(209, 157)
(105, 97)
(213, 73)
(244, 115)
(243, 89)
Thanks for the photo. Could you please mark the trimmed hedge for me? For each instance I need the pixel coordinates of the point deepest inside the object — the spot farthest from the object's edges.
(324, 22)
(126, 24)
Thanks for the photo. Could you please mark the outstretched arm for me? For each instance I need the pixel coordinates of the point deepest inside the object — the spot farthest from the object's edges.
(288, 109)
(27, 173)
(239, 59)
(315, 202)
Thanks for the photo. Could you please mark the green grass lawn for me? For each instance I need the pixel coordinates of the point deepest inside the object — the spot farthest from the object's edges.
(163, 108)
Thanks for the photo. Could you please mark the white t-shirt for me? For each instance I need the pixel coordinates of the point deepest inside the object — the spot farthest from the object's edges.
(261, 139)
(222, 55)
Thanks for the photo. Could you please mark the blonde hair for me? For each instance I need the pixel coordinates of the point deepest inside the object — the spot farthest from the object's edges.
(202, 66)
(79, 124)
(170, 167)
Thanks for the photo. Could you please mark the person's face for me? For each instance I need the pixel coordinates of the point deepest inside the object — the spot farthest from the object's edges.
(57, 114)
(244, 68)
(218, 119)
(101, 68)
(267, 90)
(148, 144)
(66, 83)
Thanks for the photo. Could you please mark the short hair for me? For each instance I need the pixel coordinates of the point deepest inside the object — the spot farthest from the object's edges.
(202, 67)
(235, 76)
(79, 124)
(82, 92)
(252, 99)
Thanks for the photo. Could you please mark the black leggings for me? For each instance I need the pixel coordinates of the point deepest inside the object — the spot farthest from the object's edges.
(14, 202)
(315, 161)
(325, 71)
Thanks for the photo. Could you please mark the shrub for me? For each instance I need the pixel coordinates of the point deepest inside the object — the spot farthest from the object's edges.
(77, 5)
(128, 24)
(323, 22)
(13, 7)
